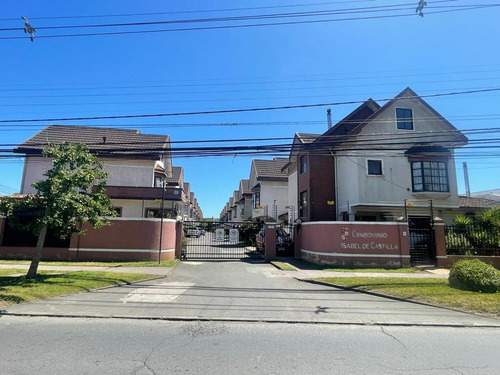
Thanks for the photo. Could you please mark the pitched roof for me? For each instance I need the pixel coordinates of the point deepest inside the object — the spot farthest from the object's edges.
(471, 202)
(244, 188)
(353, 119)
(270, 170)
(408, 93)
(307, 137)
(176, 178)
(105, 141)
(488, 194)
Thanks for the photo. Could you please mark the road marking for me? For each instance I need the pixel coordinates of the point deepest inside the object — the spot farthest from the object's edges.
(165, 293)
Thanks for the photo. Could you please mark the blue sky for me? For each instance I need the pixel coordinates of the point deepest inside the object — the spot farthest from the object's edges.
(244, 67)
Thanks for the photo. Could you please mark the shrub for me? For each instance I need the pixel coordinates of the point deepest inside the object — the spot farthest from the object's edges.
(458, 244)
(484, 239)
(462, 223)
(474, 275)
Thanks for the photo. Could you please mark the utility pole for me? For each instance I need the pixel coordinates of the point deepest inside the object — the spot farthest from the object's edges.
(466, 177)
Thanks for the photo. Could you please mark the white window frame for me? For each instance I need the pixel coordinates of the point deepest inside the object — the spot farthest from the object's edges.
(398, 121)
(381, 167)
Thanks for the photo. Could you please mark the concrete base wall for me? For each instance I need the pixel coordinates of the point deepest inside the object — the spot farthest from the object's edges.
(123, 240)
(354, 244)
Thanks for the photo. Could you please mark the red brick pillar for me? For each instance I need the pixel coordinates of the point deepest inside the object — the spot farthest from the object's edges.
(439, 240)
(270, 241)
(178, 239)
(404, 243)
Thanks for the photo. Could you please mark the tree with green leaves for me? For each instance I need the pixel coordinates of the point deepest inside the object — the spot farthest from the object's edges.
(73, 192)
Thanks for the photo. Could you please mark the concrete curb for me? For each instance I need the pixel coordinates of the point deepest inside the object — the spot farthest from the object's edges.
(248, 320)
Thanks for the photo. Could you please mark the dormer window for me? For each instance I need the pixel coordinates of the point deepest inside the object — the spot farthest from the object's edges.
(404, 117)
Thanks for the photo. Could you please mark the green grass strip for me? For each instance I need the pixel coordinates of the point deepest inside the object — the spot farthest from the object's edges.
(165, 263)
(46, 284)
(433, 291)
(10, 271)
(284, 266)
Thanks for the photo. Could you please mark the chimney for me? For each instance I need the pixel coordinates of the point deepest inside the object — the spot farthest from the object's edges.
(329, 117)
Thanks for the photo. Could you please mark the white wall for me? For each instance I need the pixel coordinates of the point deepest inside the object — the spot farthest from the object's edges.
(271, 191)
(356, 187)
(128, 172)
(395, 185)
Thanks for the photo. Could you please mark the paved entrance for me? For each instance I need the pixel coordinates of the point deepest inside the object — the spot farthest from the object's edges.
(220, 240)
(244, 291)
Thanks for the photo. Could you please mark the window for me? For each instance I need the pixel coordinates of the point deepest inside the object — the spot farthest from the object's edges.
(159, 181)
(303, 164)
(404, 118)
(303, 204)
(118, 211)
(256, 199)
(151, 213)
(374, 167)
(429, 176)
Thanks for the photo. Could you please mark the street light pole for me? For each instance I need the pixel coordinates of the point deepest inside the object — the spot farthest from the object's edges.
(161, 220)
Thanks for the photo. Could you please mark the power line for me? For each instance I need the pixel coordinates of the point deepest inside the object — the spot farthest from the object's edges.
(249, 25)
(240, 110)
(143, 93)
(190, 12)
(343, 11)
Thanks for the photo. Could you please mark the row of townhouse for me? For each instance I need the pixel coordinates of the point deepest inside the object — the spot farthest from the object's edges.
(148, 193)
(139, 167)
(379, 163)
(261, 197)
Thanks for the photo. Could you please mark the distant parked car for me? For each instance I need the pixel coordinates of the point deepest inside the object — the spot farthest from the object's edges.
(193, 232)
(284, 243)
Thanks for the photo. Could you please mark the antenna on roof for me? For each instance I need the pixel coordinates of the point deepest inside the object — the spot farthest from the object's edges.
(329, 117)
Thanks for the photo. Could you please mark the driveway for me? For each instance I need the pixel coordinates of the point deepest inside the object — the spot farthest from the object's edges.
(244, 291)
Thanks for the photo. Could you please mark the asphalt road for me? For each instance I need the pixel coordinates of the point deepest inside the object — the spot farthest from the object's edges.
(120, 346)
(245, 291)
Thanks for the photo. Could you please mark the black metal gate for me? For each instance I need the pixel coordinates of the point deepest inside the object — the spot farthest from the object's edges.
(208, 239)
(422, 245)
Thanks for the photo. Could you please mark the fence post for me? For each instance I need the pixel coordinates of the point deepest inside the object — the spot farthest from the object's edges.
(440, 243)
(270, 241)
(178, 239)
(404, 243)
(297, 238)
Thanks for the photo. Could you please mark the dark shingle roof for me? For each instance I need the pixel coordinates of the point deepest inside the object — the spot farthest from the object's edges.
(176, 176)
(244, 188)
(471, 202)
(105, 141)
(271, 169)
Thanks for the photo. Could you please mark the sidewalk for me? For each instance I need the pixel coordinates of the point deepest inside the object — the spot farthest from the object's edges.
(161, 271)
(305, 270)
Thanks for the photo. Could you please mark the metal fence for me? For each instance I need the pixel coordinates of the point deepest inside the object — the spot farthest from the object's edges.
(220, 240)
(472, 239)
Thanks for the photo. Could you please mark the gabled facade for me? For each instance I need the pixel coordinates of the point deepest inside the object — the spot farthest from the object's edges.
(245, 200)
(268, 183)
(139, 166)
(376, 160)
